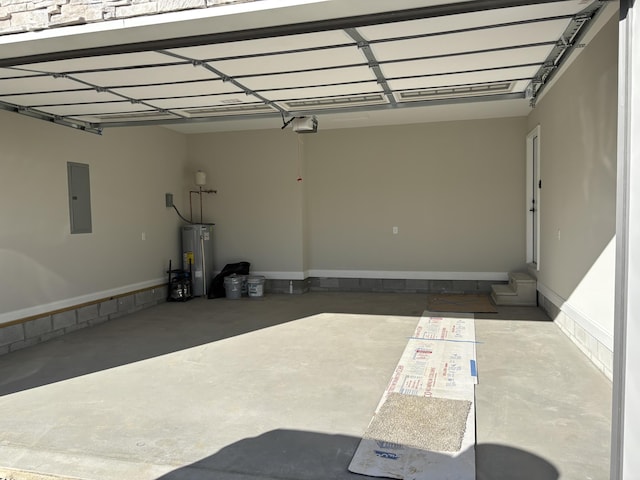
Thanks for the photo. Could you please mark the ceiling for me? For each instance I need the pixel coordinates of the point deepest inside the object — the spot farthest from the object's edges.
(408, 64)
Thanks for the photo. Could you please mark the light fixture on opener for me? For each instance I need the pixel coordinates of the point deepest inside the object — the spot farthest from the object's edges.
(301, 124)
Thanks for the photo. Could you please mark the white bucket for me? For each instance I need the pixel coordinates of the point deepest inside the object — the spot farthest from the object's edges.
(245, 288)
(255, 285)
(233, 287)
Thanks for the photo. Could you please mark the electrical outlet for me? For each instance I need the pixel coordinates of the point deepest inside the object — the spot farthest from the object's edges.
(395, 230)
(168, 200)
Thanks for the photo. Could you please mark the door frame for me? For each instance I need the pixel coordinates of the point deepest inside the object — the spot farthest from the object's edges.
(532, 200)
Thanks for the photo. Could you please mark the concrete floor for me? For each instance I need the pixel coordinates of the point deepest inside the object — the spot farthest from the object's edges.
(282, 388)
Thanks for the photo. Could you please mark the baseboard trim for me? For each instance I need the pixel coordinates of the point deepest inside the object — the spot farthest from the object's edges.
(409, 275)
(281, 275)
(577, 316)
(25, 314)
(383, 274)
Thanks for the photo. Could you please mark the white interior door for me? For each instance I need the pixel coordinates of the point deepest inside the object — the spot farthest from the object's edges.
(533, 190)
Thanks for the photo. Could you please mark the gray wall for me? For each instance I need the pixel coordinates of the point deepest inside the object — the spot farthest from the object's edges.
(578, 118)
(356, 184)
(454, 190)
(44, 267)
(258, 207)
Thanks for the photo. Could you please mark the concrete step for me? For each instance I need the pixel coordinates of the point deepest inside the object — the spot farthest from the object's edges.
(519, 278)
(503, 290)
(521, 290)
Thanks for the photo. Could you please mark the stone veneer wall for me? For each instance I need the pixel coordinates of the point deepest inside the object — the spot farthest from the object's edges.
(17, 16)
(37, 330)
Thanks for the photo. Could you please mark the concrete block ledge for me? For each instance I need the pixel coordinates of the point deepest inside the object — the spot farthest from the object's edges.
(337, 284)
(395, 285)
(25, 332)
(592, 347)
(29, 331)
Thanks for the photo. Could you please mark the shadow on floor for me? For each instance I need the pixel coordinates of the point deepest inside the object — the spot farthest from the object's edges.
(171, 327)
(499, 462)
(303, 455)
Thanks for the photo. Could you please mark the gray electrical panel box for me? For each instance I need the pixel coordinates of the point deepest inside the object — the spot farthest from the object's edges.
(79, 197)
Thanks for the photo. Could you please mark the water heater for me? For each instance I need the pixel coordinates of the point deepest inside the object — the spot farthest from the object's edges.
(197, 256)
